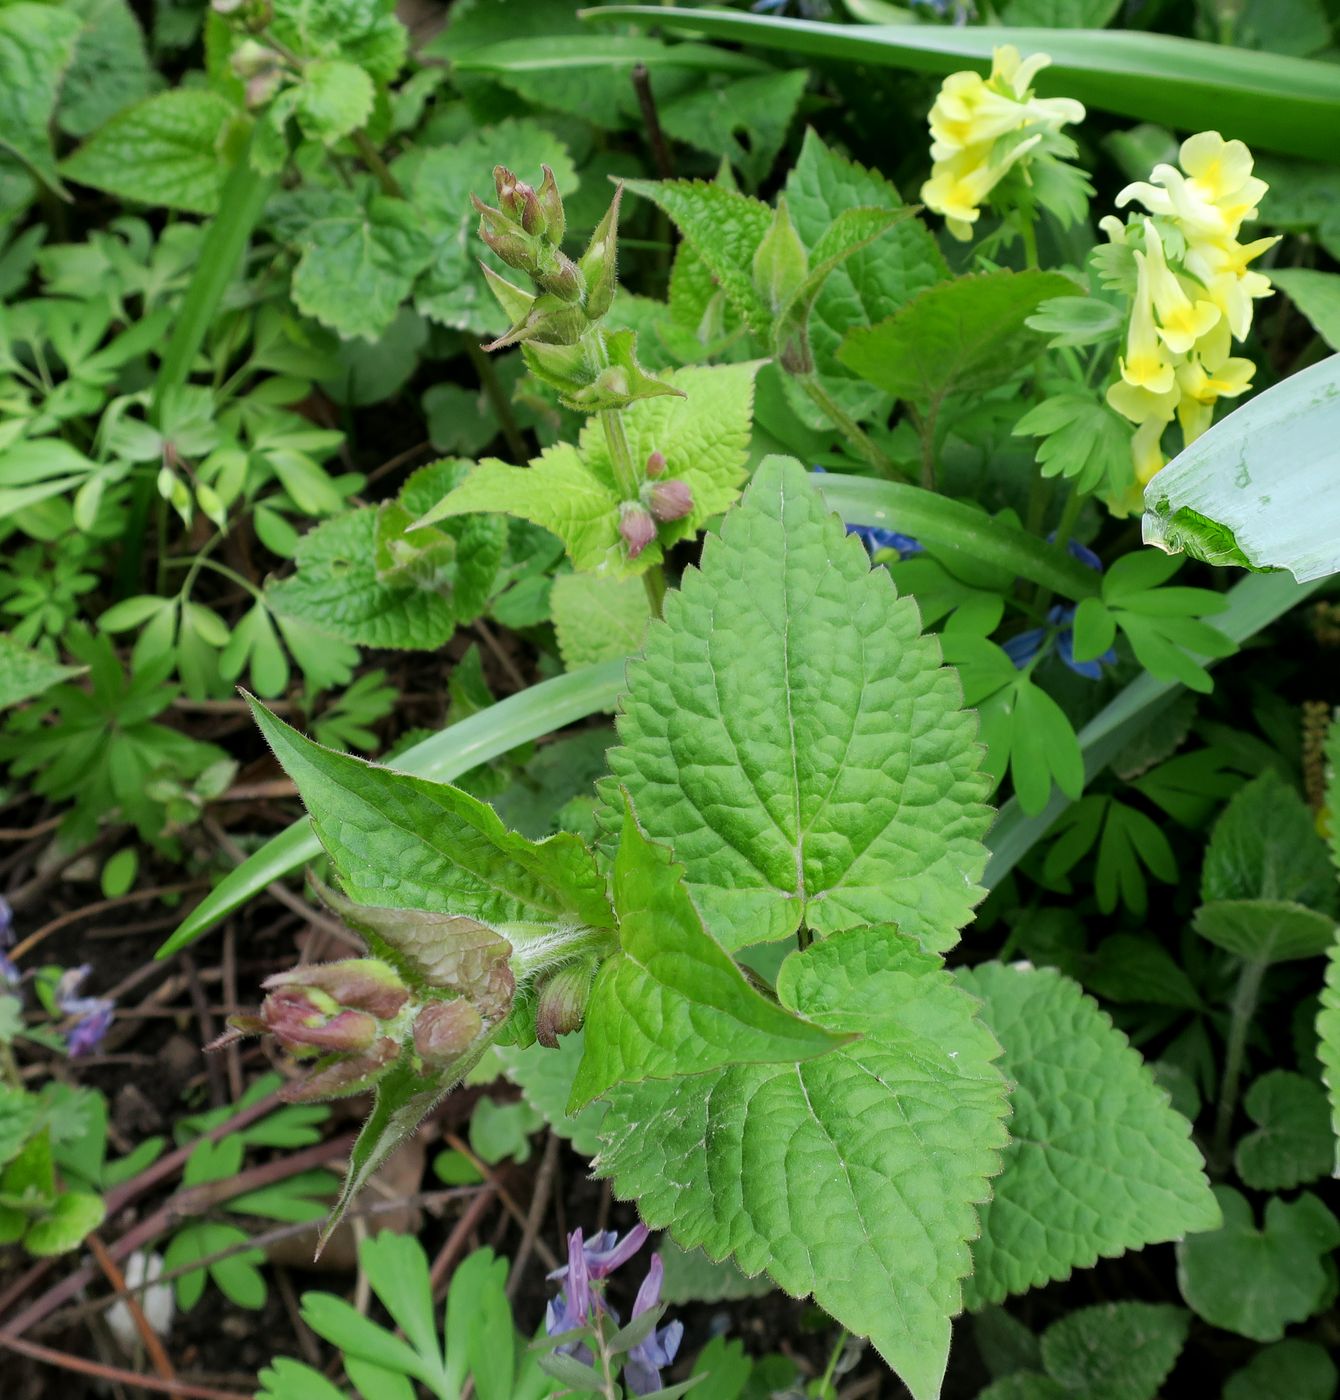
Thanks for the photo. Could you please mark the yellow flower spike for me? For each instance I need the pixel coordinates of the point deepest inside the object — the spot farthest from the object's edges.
(1144, 366)
(958, 185)
(1229, 282)
(1180, 321)
(1221, 172)
(1147, 451)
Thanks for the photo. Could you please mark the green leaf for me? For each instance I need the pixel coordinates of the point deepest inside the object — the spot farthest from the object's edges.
(336, 587)
(335, 98)
(37, 44)
(1099, 1162)
(852, 1176)
(725, 229)
(452, 289)
(545, 1078)
(960, 337)
(670, 1001)
(863, 804)
(165, 150)
(358, 258)
(598, 619)
(286, 1379)
(111, 67)
(25, 673)
(1292, 1142)
(1255, 489)
(1265, 930)
(517, 720)
(1317, 296)
(1328, 1041)
(1289, 1370)
(1256, 1281)
(397, 1269)
(572, 492)
(1082, 440)
(691, 1277)
(1265, 846)
(870, 285)
(1060, 14)
(746, 120)
(72, 1217)
(1116, 1351)
(407, 843)
(1270, 101)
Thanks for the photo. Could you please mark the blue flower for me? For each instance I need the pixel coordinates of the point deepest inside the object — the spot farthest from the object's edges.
(93, 1014)
(576, 1304)
(9, 972)
(876, 537)
(1060, 632)
(604, 1252)
(658, 1349)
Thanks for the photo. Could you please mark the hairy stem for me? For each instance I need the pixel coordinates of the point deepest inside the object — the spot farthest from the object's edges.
(1241, 1012)
(846, 424)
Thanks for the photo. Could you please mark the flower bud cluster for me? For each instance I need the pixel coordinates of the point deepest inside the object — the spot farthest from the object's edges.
(660, 499)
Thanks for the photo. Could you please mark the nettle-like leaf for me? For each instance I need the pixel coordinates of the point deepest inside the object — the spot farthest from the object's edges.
(1117, 1351)
(367, 577)
(165, 150)
(1289, 1370)
(960, 337)
(1292, 1140)
(37, 45)
(598, 618)
(870, 285)
(401, 842)
(1328, 1042)
(1099, 1163)
(852, 1176)
(545, 1078)
(714, 118)
(798, 745)
(358, 255)
(670, 1001)
(1256, 1281)
(571, 491)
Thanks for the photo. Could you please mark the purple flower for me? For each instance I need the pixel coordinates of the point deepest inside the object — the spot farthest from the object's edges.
(605, 1252)
(658, 1349)
(93, 1014)
(9, 972)
(576, 1305)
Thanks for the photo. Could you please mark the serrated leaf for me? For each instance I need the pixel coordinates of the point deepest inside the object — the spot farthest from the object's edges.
(1265, 846)
(408, 843)
(1099, 1162)
(598, 619)
(871, 285)
(960, 337)
(1292, 1141)
(572, 492)
(25, 673)
(798, 745)
(110, 70)
(37, 45)
(852, 1176)
(724, 228)
(357, 257)
(691, 1277)
(1256, 1281)
(1082, 440)
(1328, 1043)
(670, 1001)
(1265, 930)
(165, 150)
(1116, 1351)
(745, 120)
(335, 98)
(337, 589)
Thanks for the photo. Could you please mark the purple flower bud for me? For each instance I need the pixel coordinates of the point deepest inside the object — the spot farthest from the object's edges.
(656, 465)
(562, 1004)
(356, 984)
(305, 1021)
(671, 500)
(443, 1030)
(636, 527)
(654, 1353)
(93, 1014)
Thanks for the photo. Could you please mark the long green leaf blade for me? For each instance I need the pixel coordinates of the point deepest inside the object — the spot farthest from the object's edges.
(1269, 100)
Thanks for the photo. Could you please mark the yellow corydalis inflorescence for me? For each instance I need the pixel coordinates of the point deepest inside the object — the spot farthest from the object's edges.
(1194, 292)
(981, 128)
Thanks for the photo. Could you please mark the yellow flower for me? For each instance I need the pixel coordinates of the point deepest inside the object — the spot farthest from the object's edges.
(1180, 321)
(1202, 385)
(1144, 365)
(1151, 413)
(1210, 197)
(971, 116)
(1228, 281)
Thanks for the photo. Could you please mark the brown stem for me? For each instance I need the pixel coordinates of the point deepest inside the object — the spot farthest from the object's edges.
(113, 1373)
(646, 100)
(153, 1345)
(539, 1203)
